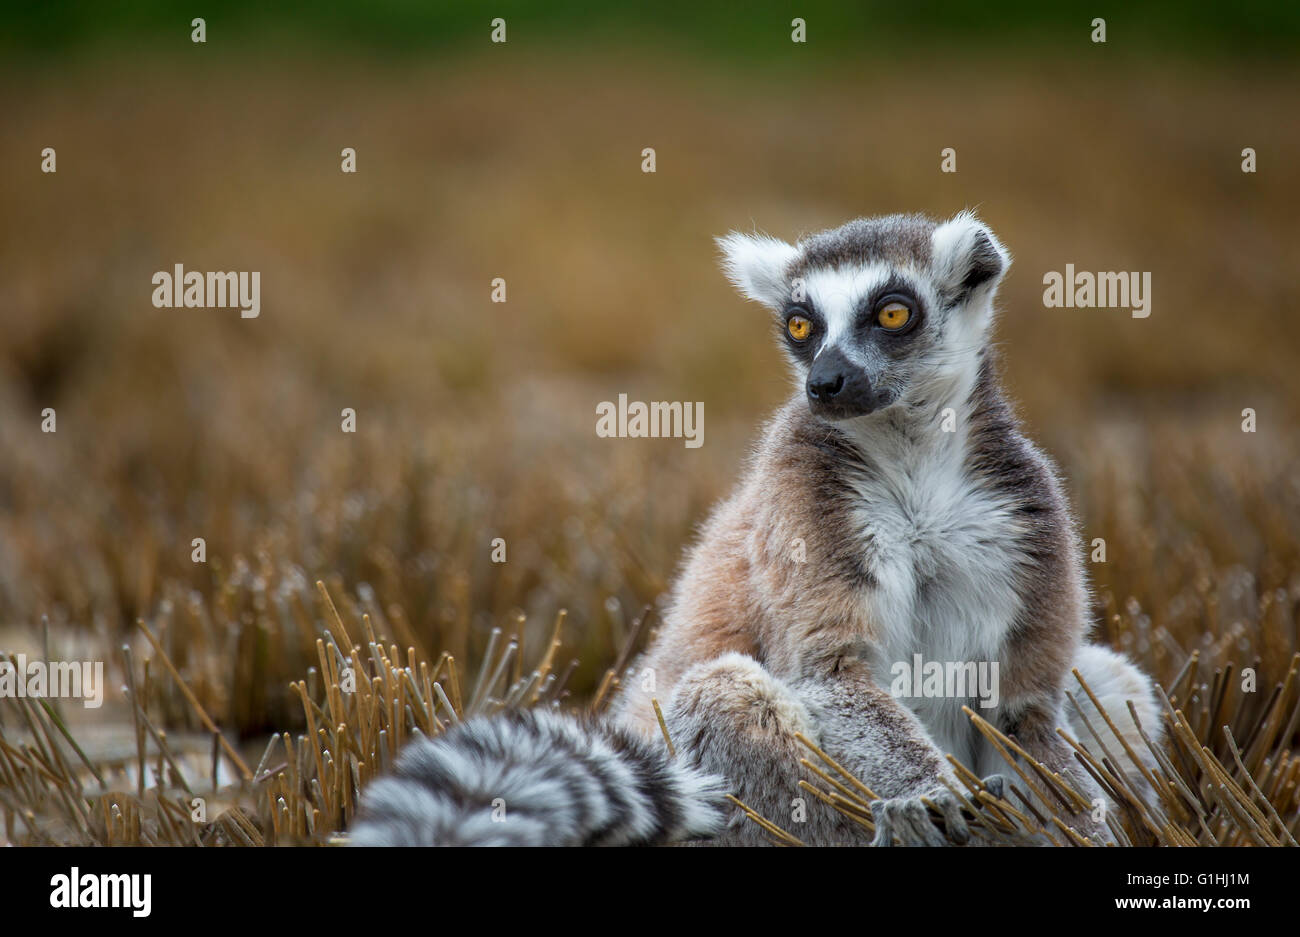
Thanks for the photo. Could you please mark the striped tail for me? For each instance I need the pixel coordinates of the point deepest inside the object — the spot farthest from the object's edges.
(538, 778)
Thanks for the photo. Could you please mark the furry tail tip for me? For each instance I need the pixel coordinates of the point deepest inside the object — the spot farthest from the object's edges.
(538, 778)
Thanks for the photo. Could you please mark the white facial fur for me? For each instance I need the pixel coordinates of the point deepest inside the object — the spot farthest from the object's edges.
(756, 264)
(941, 359)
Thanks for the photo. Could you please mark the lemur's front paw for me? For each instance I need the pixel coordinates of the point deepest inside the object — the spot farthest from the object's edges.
(1082, 823)
(907, 820)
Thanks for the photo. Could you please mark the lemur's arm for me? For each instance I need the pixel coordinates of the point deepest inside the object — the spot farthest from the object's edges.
(874, 736)
(730, 715)
(1034, 729)
(735, 717)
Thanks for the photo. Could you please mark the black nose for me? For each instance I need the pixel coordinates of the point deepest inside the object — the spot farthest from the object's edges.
(837, 388)
(825, 386)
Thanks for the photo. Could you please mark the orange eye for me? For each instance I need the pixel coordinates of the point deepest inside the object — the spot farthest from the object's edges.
(893, 316)
(799, 328)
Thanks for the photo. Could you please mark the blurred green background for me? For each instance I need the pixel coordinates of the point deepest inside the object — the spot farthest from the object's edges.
(523, 161)
(839, 29)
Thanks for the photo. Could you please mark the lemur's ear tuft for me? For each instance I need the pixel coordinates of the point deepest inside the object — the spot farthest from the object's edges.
(967, 257)
(758, 265)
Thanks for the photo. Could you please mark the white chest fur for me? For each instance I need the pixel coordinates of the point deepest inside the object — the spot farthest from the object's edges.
(943, 550)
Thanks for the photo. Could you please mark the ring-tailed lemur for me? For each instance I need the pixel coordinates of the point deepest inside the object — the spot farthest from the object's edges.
(893, 512)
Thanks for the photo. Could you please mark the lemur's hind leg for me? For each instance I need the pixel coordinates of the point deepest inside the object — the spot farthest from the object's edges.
(1115, 681)
(734, 717)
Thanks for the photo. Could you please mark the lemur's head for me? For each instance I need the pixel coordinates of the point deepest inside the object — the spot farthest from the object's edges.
(879, 312)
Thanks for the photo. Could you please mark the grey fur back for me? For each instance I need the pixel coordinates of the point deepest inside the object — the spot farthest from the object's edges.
(538, 778)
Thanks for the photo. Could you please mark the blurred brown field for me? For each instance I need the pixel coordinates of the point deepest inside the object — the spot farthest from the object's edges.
(476, 420)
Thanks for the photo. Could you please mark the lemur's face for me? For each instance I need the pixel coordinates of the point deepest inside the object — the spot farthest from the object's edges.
(879, 312)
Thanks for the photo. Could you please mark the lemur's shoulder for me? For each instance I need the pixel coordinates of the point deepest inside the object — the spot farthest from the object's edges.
(1001, 453)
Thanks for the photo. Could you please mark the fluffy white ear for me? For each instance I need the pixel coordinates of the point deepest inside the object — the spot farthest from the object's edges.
(968, 259)
(758, 266)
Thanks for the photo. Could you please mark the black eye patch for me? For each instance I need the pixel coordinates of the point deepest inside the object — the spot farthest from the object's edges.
(897, 287)
(808, 347)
